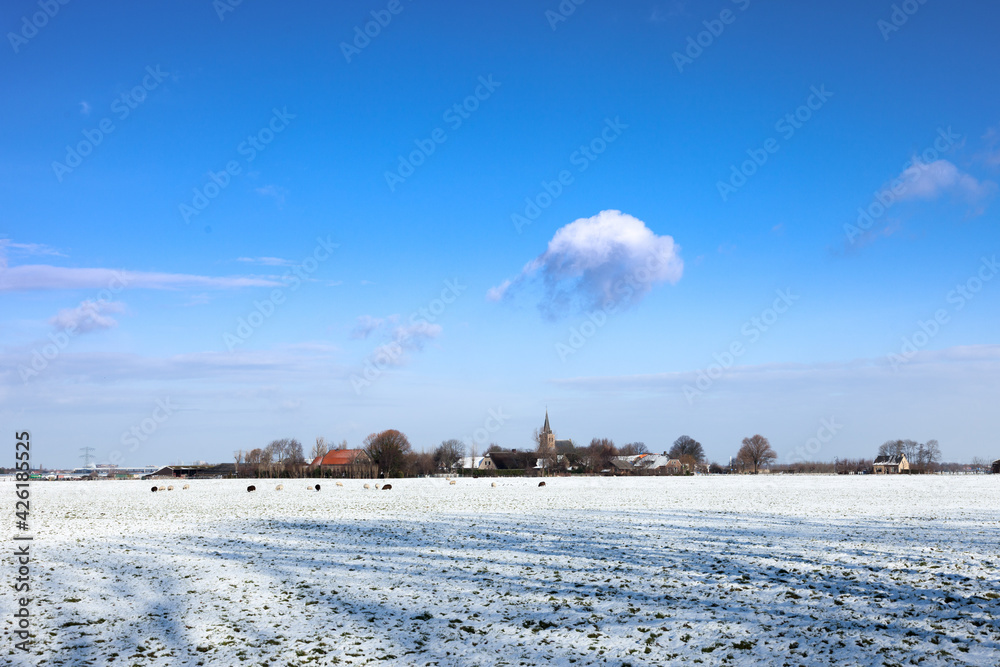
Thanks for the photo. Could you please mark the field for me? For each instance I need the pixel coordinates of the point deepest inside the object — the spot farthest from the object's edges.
(769, 570)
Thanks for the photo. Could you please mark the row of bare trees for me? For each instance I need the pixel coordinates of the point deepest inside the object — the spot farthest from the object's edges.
(280, 458)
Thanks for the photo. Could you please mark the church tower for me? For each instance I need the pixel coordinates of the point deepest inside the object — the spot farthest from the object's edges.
(546, 439)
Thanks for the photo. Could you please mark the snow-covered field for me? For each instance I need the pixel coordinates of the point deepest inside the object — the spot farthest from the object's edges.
(724, 570)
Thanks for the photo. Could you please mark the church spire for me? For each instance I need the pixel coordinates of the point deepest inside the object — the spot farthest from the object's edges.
(546, 429)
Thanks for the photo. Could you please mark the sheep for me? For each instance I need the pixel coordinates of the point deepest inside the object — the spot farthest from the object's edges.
(452, 482)
(367, 487)
(377, 486)
(387, 487)
(279, 487)
(154, 489)
(494, 485)
(170, 488)
(251, 488)
(162, 488)
(185, 487)
(309, 488)
(340, 483)
(317, 487)
(541, 484)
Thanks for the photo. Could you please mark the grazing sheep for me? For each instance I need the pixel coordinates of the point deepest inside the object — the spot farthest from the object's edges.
(317, 487)
(251, 488)
(170, 488)
(377, 486)
(162, 488)
(309, 488)
(340, 483)
(541, 484)
(452, 482)
(154, 489)
(279, 487)
(387, 487)
(367, 487)
(494, 485)
(185, 487)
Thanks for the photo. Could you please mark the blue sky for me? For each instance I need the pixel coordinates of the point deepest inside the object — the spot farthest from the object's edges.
(155, 253)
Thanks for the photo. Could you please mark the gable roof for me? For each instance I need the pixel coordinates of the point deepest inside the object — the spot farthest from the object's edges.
(341, 457)
(893, 460)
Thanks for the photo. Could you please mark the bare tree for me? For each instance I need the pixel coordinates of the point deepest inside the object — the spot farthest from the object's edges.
(633, 448)
(388, 451)
(980, 465)
(600, 452)
(342, 445)
(449, 453)
(320, 448)
(238, 455)
(756, 451)
(687, 449)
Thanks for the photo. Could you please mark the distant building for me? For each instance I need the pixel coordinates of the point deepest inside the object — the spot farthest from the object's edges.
(996, 467)
(476, 463)
(511, 460)
(890, 465)
(352, 463)
(648, 464)
(196, 471)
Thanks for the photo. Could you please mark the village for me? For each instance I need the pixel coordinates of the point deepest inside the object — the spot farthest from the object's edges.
(389, 454)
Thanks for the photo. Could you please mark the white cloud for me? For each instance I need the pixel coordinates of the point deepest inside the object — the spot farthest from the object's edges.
(88, 316)
(413, 336)
(7, 246)
(366, 325)
(45, 277)
(266, 261)
(84, 108)
(931, 180)
(273, 191)
(592, 262)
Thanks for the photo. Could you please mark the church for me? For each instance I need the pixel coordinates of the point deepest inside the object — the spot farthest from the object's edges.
(547, 443)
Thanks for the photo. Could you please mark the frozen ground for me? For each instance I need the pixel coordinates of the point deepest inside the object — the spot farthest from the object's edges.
(722, 570)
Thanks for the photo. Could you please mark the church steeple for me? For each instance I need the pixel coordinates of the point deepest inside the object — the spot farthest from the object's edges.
(546, 439)
(546, 429)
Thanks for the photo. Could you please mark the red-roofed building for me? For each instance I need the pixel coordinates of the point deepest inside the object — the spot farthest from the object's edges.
(354, 463)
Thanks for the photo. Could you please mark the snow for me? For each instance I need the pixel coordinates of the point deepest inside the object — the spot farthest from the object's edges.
(642, 571)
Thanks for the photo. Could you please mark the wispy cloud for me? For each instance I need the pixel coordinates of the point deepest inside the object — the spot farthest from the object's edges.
(45, 277)
(84, 108)
(611, 257)
(266, 261)
(274, 192)
(38, 249)
(88, 316)
(366, 325)
(931, 180)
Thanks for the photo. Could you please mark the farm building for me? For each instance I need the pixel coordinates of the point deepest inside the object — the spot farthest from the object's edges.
(996, 467)
(196, 471)
(891, 465)
(353, 463)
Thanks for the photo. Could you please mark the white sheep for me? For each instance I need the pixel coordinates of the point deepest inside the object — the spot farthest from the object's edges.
(309, 488)
(170, 488)
(452, 482)
(494, 485)
(378, 486)
(367, 487)
(279, 487)
(163, 488)
(186, 487)
(340, 483)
